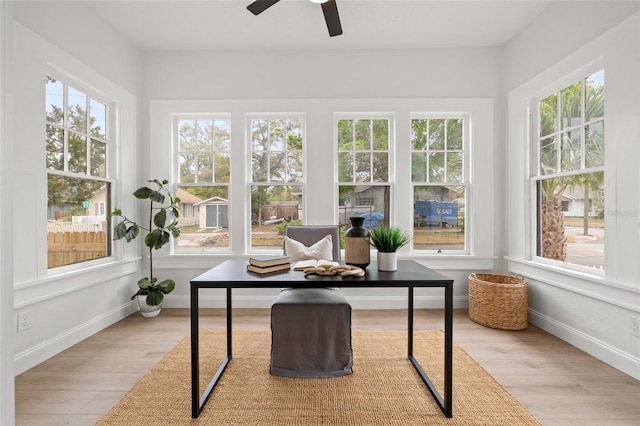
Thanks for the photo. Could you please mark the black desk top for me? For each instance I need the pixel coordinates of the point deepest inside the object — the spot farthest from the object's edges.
(233, 273)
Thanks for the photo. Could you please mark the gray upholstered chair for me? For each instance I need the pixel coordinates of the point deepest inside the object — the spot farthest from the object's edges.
(311, 327)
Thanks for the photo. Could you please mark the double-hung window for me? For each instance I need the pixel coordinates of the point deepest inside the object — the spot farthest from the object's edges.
(568, 174)
(277, 177)
(204, 175)
(78, 185)
(439, 175)
(363, 169)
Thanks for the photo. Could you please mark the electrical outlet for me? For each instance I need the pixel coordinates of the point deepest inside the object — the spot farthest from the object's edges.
(24, 321)
(634, 326)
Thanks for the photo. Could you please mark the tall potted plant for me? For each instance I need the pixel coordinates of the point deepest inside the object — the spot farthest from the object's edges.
(163, 223)
(388, 241)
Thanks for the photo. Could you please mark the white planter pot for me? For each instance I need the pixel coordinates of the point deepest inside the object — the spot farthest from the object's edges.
(146, 310)
(387, 261)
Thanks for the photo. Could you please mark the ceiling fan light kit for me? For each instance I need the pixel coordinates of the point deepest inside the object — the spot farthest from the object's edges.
(329, 9)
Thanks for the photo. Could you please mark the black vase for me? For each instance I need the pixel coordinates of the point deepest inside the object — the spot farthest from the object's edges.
(357, 250)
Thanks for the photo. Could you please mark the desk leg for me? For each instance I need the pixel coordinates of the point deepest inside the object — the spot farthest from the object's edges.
(410, 322)
(197, 402)
(229, 322)
(195, 352)
(446, 402)
(448, 350)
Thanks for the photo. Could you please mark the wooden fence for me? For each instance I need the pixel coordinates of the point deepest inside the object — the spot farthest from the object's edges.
(66, 248)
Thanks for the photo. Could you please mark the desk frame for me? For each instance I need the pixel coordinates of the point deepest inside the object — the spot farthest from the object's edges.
(232, 274)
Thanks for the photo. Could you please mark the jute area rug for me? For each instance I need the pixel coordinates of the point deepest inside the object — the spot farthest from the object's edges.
(384, 388)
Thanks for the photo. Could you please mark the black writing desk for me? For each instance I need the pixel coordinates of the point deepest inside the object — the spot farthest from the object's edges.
(410, 274)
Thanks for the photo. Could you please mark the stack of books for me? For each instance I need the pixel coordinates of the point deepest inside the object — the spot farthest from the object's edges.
(269, 264)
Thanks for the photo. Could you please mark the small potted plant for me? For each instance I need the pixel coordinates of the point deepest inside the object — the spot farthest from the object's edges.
(163, 223)
(388, 241)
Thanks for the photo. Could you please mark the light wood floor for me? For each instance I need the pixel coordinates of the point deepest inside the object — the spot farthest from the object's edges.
(558, 383)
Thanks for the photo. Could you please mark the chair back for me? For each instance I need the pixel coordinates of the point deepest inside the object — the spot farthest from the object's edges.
(311, 234)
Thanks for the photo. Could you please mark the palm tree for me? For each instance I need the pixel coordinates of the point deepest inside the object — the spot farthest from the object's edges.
(552, 242)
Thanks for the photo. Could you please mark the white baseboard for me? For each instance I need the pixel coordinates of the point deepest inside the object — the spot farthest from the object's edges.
(33, 356)
(623, 361)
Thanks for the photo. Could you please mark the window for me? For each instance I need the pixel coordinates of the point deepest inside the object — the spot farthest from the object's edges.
(569, 174)
(277, 175)
(363, 170)
(285, 148)
(78, 191)
(204, 164)
(439, 178)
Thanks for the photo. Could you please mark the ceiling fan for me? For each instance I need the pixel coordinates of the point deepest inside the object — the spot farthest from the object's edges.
(329, 8)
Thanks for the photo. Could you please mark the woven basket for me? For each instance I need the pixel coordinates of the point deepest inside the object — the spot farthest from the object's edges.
(498, 301)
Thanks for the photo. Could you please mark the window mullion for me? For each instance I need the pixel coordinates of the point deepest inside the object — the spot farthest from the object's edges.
(65, 132)
(88, 132)
(558, 132)
(583, 119)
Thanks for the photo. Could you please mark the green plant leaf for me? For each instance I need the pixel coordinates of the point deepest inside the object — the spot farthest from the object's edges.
(175, 231)
(176, 212)
(155, 298)
(132, 232)
(164, 239)
(143, 193)
(166, 286)
(153, 238)
(157, 196)
(144, 283)
(160, 218)
(120, 230)
(116, 212)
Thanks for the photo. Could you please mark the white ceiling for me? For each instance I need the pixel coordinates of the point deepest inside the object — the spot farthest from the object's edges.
(299, 24)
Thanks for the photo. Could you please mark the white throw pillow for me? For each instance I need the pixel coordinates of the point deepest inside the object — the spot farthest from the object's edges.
(323, 249)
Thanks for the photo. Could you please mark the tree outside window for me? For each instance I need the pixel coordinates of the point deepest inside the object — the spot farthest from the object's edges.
(569, 178)
(277, 172)
(204, 175)
(78, 191)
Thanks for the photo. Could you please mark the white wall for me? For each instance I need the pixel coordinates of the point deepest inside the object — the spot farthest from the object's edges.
(588, 311)
(64, 308)
(7, 321)
(563, 27)
(79, 31)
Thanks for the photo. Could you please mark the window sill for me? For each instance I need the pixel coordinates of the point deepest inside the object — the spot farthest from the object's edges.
(587, 285)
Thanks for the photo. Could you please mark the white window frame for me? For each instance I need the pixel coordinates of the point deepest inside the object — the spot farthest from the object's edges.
(110, 141)
(175, 160)
(390, 182)
(320, 164)
(466, 181)
(272, 116)
(534, 176)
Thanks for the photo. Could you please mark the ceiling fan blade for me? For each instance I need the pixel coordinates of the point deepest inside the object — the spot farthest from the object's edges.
(259, 6)
(330, 10)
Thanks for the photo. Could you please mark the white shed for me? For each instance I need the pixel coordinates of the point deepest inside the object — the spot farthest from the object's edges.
(213, 213)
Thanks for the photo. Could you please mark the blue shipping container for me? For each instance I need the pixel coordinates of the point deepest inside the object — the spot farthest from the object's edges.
(433, 213)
